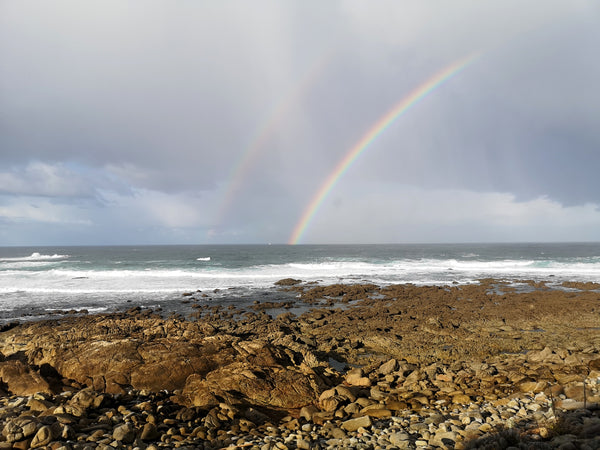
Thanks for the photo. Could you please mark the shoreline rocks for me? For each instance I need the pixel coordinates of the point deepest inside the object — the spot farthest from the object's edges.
(437, 367)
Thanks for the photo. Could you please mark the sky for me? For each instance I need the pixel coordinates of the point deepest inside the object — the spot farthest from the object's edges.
(210, 122)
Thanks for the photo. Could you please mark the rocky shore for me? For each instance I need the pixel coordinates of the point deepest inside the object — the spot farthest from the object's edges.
(491, 365)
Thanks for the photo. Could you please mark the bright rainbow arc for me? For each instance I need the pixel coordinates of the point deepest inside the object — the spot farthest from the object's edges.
(380, 126)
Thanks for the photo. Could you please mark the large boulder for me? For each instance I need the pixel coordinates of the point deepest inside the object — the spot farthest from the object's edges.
(21, 379)
(166, 364)
(243, 383)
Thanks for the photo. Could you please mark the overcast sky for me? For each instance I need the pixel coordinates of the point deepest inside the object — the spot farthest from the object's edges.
(151, 122)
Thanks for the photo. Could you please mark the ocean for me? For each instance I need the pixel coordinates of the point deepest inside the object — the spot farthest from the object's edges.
(36, 282)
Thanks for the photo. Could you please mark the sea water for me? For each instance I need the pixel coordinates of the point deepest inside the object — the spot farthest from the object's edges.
(34, 282)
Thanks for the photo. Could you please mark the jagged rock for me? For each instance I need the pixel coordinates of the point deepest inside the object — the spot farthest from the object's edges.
(265, 386)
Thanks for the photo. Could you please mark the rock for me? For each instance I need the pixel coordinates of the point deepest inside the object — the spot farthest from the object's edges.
(38, 405)
(337, 433)
(124, 433)
(399, 438)
(544, 356)
(533, 386)
(307, 412)
(42, 437)
(287, 282)
(326, 394)
(461, 399)
(590, 430)
(22, 445)
(355, 377)
(272, 386)
(388, 367)
(414, 377)
(574, 391)
(303, 444)
(149, 432)
(379, 413)
(321, 417)
(18, 428)
(377, 395)
(29, 428)
(21, 379)
(355, 424)
(346, 393)
(86, 398)
(330, 403)
(444, 439)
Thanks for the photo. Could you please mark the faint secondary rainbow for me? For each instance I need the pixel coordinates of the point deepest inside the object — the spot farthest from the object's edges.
(264, 133)
(368, 138)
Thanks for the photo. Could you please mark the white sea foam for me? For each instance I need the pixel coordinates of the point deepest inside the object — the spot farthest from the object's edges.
(35, 256)
(60, 281)
(6, 265)
(150, 280)
(401, 270)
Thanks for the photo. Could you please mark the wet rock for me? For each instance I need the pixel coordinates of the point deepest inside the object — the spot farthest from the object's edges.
(288, 282)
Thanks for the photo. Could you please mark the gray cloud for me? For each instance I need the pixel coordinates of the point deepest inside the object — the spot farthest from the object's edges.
(115, 110)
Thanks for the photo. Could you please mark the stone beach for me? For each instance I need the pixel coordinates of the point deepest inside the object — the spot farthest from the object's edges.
(495, 364)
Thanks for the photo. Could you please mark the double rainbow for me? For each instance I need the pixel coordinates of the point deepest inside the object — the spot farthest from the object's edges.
(269, 128)
(368, 138)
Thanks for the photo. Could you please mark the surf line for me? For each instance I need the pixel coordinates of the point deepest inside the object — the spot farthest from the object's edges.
(238, 173)
(370, 136)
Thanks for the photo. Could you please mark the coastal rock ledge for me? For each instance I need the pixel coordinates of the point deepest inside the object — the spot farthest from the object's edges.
(489, 365)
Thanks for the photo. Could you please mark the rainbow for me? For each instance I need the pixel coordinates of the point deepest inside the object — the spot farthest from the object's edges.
(368, 138)
(261, 137)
